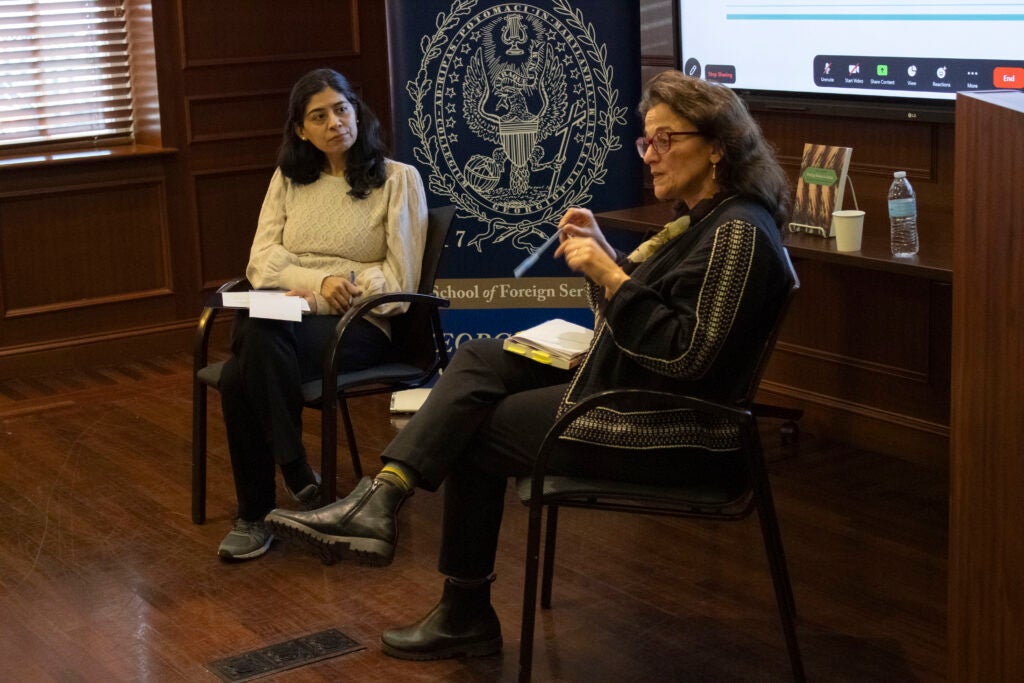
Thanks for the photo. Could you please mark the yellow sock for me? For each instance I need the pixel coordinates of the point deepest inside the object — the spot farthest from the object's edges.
(402, 477)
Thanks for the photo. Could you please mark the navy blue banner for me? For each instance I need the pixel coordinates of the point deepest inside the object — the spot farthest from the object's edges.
(514, 112)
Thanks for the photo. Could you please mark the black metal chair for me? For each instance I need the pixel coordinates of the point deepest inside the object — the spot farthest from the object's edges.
(421, 353)
(716, 496)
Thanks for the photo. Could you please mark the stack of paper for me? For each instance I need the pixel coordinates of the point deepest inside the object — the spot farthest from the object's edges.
(556, 342)
(267, 303)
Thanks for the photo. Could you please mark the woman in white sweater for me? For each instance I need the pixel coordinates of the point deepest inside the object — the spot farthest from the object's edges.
(339, 220)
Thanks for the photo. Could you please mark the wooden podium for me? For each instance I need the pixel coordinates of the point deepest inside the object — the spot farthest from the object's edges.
(986, 553)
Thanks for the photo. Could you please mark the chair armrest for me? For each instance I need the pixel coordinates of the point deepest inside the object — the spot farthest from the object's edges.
(238, 284)
(201, 340)
(634, 399)
(780, 412)
(359, 310)
(626, 399)
(365, 305)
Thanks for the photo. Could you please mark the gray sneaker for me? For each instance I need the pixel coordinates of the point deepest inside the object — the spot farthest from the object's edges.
(245, 541)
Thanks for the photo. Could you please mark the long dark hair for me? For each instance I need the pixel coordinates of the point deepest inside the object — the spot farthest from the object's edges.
(748, 166)
(302, 162)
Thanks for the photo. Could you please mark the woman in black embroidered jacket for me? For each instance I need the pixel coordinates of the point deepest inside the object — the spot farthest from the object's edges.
(687, 311)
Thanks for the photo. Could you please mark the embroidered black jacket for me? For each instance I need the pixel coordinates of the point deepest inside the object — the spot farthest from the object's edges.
(691, 319)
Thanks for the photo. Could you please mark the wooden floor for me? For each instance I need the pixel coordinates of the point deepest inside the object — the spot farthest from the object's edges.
(103, 576)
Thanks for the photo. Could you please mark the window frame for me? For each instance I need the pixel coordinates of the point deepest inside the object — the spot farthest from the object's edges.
(145, 110)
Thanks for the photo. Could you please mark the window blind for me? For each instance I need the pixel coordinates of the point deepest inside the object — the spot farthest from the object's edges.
(64, 72)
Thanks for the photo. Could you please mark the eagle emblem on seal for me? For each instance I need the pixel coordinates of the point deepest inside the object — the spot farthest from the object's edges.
(497, 97)
(515, 116)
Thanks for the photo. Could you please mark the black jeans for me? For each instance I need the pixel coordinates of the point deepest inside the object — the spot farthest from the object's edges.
(261, 394)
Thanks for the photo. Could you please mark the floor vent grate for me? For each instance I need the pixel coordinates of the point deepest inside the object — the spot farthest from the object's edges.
(283, 656)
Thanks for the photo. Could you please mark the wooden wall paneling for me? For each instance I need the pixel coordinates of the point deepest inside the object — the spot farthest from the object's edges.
(229, 203)
(986, 556)
(86, 250)
(297, 29)
(875, 320)
(866, 355)
(84, 245)
(233, 116)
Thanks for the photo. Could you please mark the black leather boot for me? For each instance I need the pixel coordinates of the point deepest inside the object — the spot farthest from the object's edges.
(360, 526)
(462, 624)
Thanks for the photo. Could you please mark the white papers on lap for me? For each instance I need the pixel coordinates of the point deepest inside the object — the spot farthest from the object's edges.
(271, 304)
(556, 342)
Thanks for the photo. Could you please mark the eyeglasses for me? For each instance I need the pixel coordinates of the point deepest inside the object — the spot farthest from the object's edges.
(662, 141)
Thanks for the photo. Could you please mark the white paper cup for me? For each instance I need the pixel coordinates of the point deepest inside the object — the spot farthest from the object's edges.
(849, 228)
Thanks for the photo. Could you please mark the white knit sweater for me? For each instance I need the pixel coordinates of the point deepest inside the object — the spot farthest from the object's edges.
(307, 233)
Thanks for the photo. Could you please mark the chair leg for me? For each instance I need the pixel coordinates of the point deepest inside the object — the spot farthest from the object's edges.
(328, 454)
(198, 452)
(350, 433)
(780, 574)
(530, 593)
(547, 577)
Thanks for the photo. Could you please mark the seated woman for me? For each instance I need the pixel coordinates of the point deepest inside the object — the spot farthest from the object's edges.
(687, 312)
(339, 220)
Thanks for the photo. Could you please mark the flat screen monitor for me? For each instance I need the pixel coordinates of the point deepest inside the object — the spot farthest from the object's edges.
(903, 59)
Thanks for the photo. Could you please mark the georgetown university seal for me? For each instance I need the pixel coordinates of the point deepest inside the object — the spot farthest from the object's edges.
(514, 115)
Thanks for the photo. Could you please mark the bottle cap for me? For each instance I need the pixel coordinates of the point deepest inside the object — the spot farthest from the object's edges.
(899, 174)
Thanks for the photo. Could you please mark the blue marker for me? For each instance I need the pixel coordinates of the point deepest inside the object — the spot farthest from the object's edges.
(531, 260)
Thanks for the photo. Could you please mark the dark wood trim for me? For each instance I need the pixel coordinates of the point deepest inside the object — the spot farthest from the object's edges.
(85, 303)
(71, 156)
(91, 350)
(243, 133)
(858, 363)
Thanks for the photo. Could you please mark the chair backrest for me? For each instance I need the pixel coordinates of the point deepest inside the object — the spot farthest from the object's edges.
(780, 317)
(439, 222)
(411, 331)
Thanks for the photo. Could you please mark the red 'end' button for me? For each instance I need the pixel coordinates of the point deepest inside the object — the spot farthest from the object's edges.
(1008, 77)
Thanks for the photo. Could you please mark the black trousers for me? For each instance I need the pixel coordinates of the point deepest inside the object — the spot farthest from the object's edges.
(261, 394)
(484, 421)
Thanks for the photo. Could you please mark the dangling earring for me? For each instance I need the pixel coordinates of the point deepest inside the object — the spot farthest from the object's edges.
(714, 170)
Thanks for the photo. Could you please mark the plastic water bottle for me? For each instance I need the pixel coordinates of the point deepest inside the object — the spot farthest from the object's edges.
(902, 216)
